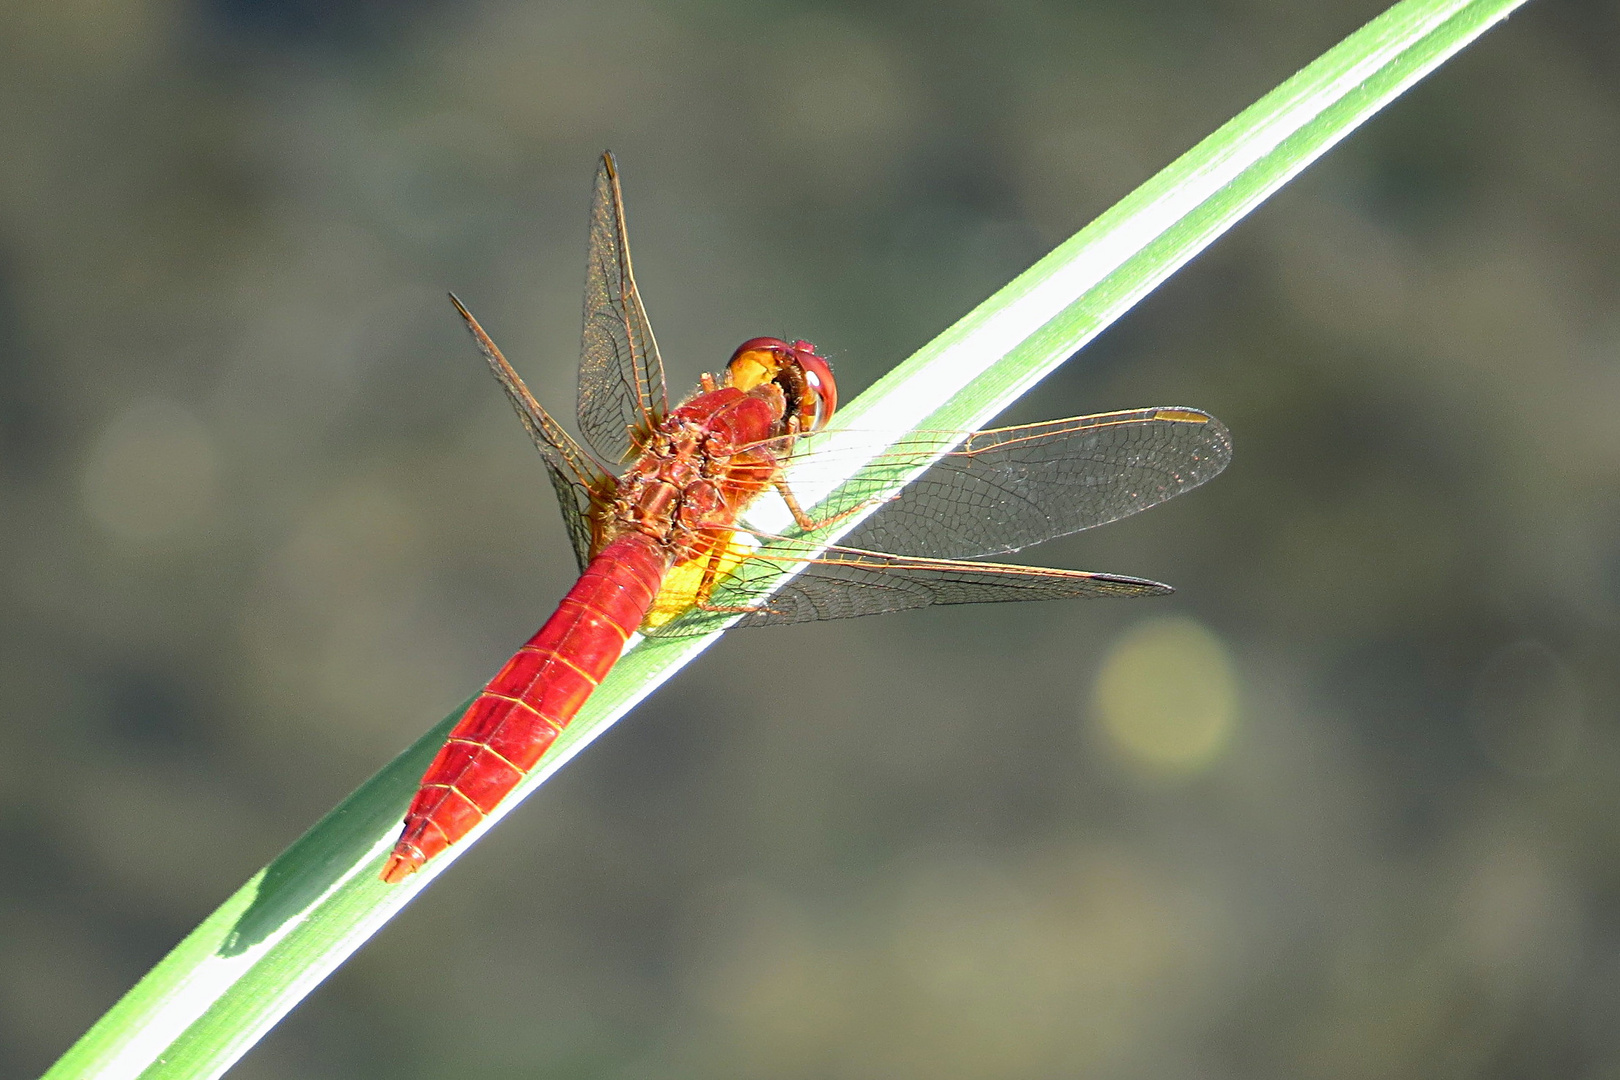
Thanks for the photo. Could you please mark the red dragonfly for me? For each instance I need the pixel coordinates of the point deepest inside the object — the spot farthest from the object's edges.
(662, 547)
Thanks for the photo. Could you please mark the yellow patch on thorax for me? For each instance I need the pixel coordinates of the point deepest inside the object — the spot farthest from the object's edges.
(693, 581)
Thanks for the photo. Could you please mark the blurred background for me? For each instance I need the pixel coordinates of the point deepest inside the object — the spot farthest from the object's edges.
(1344, 806)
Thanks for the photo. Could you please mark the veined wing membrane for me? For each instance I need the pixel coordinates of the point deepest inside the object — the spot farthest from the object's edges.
(843, 583)
(1007, 488)
(574, 474)
(1001, 490)
(621, 376)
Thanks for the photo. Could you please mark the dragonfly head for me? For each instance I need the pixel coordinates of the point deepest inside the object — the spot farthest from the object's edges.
(805, 378)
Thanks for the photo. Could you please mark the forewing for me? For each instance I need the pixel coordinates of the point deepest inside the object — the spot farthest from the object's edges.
(1007, 488)
(574, 475)
(621, 377)
(843, 583)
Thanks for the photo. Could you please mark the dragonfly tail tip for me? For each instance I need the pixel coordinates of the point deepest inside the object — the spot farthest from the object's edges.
(402, 864)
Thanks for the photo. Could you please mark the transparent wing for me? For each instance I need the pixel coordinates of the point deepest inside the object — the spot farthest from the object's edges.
(577, 479)
(621, 377)
(1003, 490)
(843, 583)
(1007, 488)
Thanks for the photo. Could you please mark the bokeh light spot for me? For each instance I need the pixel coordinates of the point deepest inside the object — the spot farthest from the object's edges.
(1166, 697)
(152, 474)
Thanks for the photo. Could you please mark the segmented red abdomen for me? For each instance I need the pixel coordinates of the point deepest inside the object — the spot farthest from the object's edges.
(519, 714)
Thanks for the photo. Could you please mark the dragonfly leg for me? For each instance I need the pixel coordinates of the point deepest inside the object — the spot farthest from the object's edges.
(804, 520)
(706, 586)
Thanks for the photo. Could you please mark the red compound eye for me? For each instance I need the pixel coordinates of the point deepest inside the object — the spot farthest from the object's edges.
(819, 382)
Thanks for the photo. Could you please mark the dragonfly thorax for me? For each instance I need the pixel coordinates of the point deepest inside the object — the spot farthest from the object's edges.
(702, 464)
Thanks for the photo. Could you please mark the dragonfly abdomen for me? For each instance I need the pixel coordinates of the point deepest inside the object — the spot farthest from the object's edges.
(516, 717)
